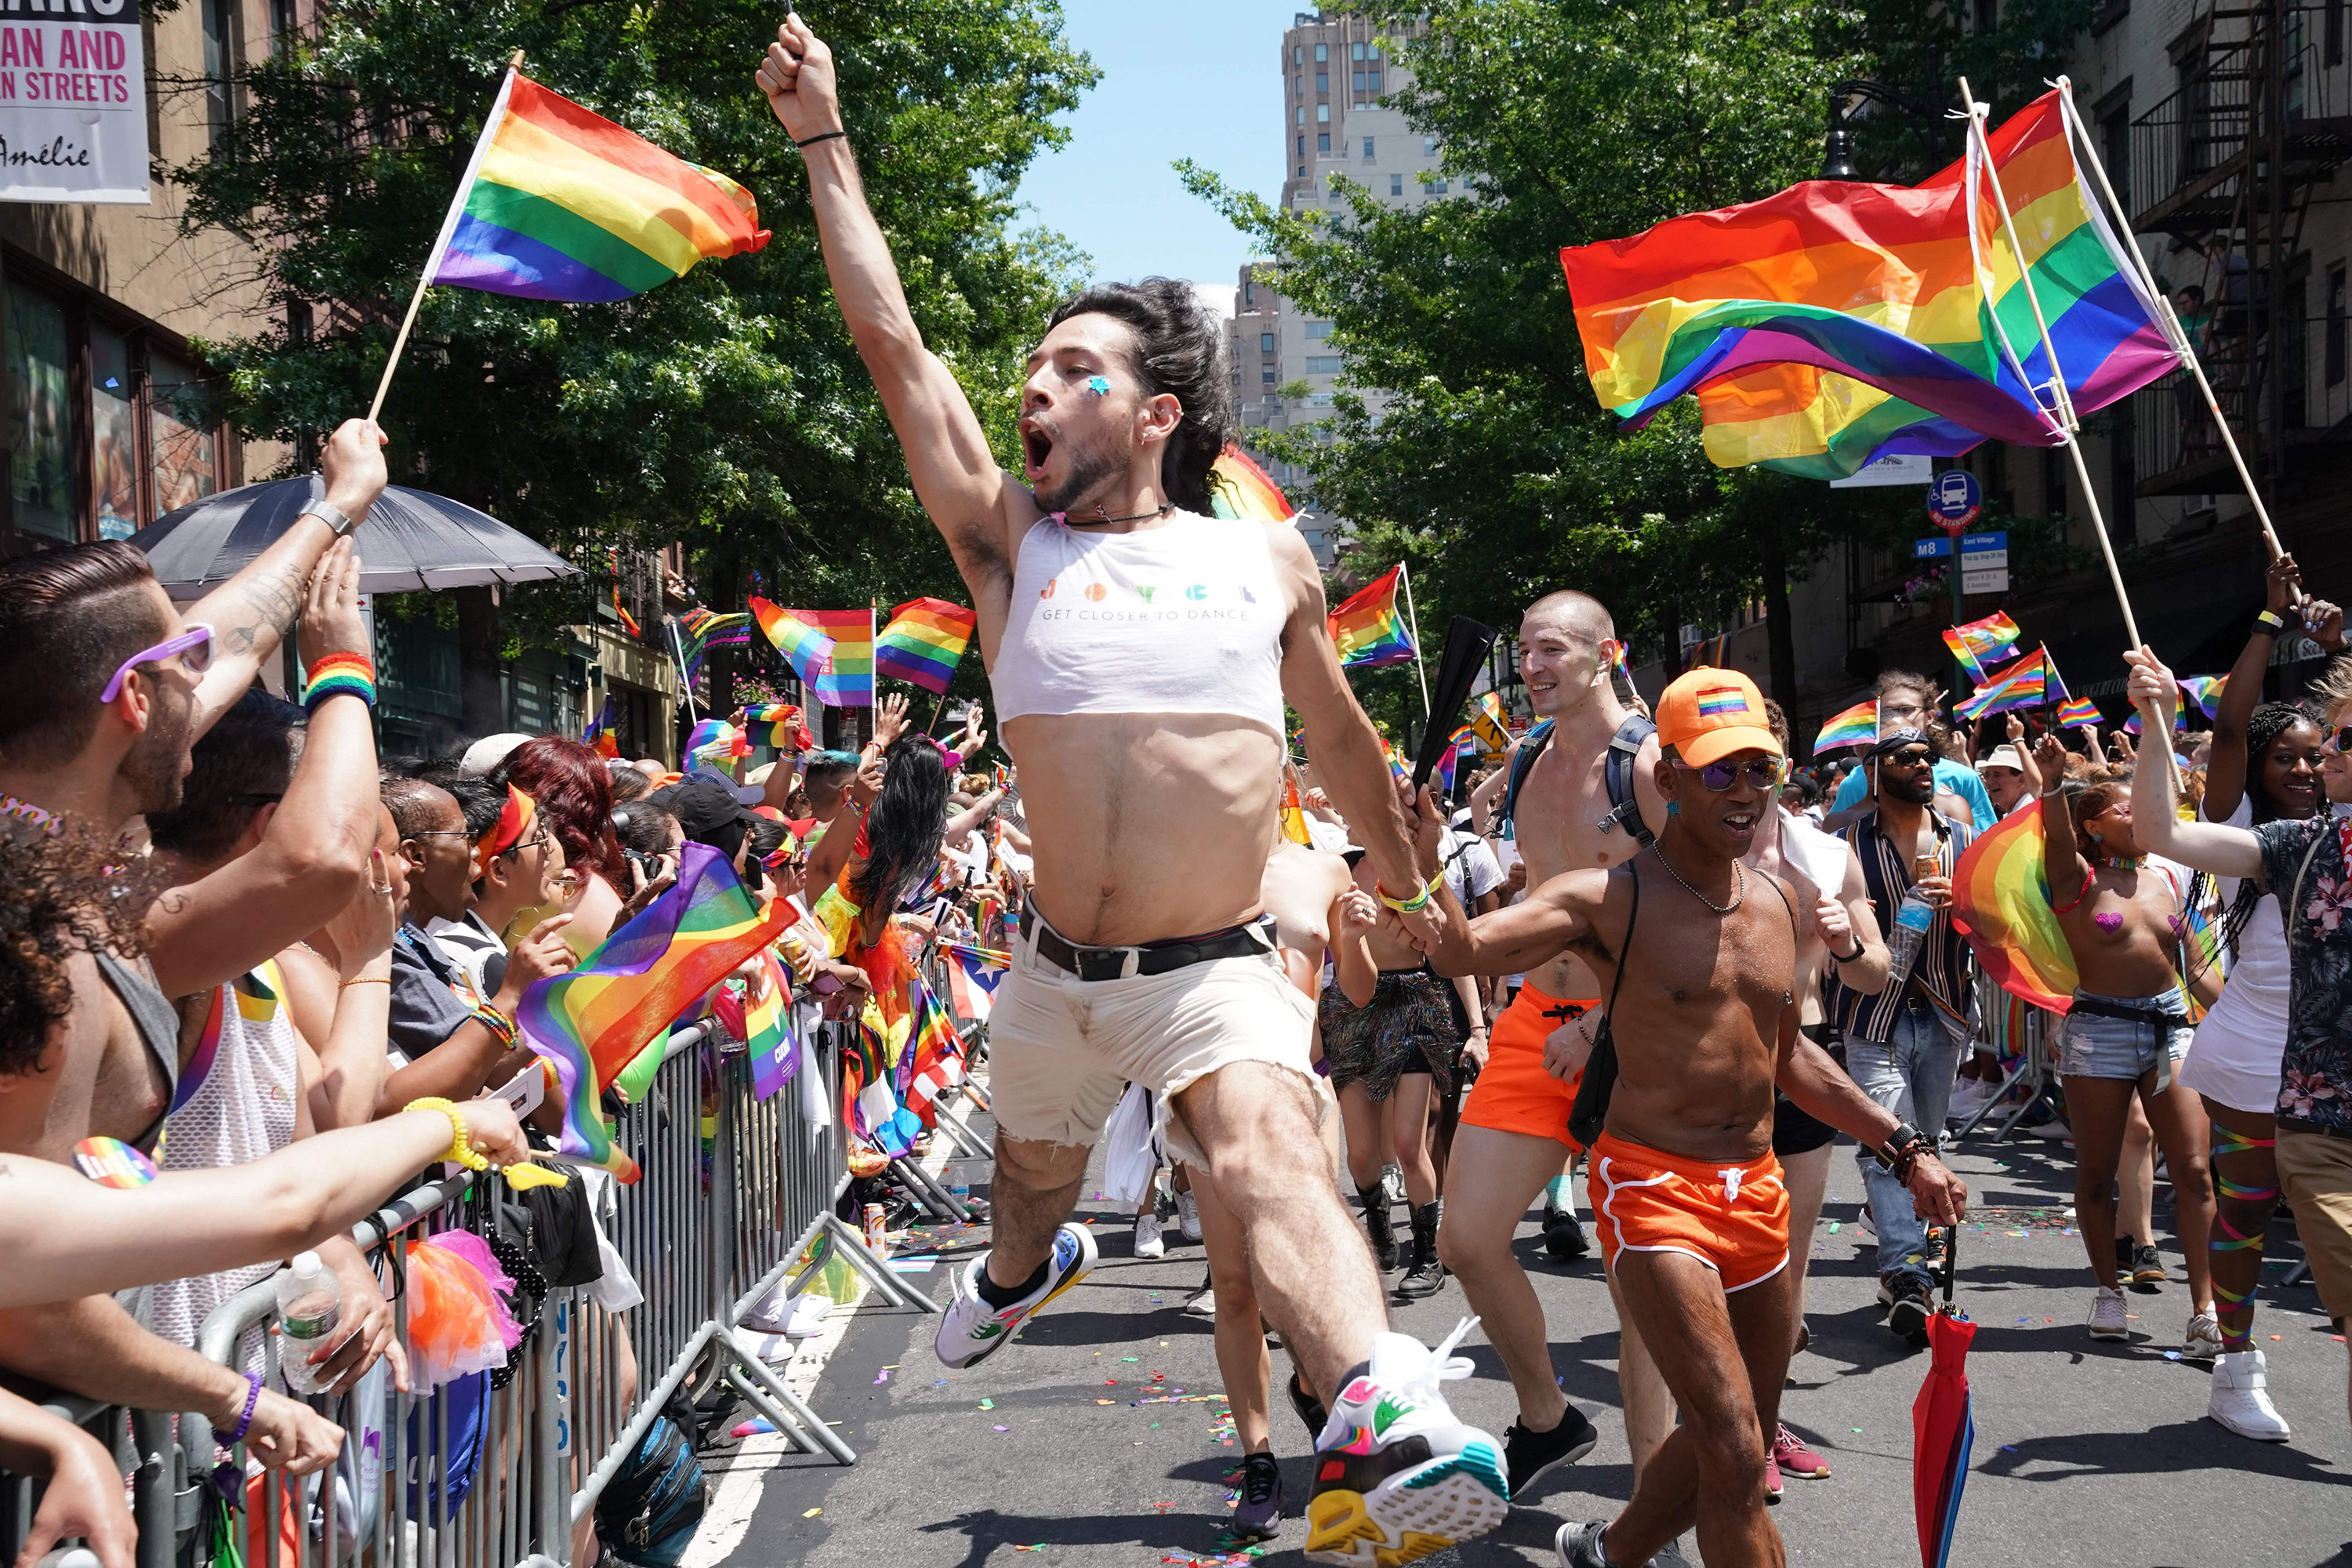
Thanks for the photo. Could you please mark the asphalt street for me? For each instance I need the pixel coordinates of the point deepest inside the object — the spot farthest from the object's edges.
(2087, 1453)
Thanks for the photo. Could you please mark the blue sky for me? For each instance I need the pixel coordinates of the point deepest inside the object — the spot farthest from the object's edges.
(1198, 81)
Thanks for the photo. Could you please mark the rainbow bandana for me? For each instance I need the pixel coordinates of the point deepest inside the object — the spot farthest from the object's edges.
(514, 820)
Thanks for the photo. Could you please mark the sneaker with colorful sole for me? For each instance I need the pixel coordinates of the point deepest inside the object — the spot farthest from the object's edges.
(1397, 1478)
(970, 1330)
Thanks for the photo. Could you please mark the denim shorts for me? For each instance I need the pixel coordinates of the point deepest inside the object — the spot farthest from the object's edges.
(2096, 1045)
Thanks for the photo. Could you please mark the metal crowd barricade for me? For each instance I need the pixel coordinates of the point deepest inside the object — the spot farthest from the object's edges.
(141, 1444)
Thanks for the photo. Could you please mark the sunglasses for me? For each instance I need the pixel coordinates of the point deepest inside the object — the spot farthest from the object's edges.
(2339, 742)
(1914, 757)
(1764, 773)
(195, 646)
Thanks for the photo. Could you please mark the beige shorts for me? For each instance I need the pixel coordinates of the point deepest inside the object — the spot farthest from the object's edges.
(1062, 1050)
(2315, 1172)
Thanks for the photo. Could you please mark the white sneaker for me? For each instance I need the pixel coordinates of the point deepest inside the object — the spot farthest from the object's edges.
(1188, 1217)
(1397, 1478)
(1203, 1303)
(1969, 1096)
(2203, 1340)
(971, 1330)
(2107, 1315)
(2242, 1401)
(1148, 1242)
(1393, 1183)
(2053, 1128)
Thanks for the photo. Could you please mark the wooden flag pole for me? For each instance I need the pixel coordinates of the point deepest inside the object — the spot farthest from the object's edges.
(441, 241)
(1405, 579)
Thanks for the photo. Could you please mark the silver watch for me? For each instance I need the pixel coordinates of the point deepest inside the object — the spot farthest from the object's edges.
(331, 515)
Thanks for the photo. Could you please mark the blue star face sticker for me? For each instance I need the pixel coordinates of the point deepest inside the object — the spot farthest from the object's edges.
(1098, 385)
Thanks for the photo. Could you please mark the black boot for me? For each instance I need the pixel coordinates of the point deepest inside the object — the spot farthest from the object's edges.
(1377, 1224)
(1427, 1275)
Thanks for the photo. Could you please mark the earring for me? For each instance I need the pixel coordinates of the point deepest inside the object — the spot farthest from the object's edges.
(1673, 808)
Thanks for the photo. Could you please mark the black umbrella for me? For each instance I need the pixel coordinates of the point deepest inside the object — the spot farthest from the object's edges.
(411, 540)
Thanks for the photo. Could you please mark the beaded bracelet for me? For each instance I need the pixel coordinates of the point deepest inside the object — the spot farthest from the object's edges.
(499, 1026)
(1405, 906)
(252, 1399)
(339, 675)
(460, 1151)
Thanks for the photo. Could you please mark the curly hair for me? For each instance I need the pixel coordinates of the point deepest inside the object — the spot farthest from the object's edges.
(2264, 727)
(1179, 350)
(904, 829)
(47, 917)
(574, 792)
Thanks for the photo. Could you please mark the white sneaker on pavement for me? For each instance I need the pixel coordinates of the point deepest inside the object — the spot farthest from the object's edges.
(2202, 1341)
(1396, 1476)
(2241, 1400)
(971, 1330)
(1188, 1217)
(1147, 1240)
(2107, 1320)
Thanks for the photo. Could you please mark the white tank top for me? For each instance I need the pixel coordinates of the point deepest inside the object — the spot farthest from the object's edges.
(1185, 618)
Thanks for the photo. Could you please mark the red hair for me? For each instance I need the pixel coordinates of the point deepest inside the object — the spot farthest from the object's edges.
(574, 792)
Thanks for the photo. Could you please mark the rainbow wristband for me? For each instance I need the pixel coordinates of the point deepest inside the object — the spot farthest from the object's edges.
(501, 1026)
(339, 675)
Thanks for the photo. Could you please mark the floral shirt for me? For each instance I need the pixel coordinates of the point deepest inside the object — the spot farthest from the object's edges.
(2316, 1079)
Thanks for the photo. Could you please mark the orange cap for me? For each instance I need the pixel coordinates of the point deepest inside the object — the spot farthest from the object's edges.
(1707, 714)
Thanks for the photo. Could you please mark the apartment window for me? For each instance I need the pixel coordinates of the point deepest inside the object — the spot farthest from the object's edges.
(1356, 79)
(1298, 87)
(1987, 15)
(1323, 141)
(41, 470)
(1321, 399)
(1355, 51)
(1249, 294)
(1265, 343)
(1299, 115)
(1429, 146)
(1298, 55)
(2332, 32)
(1322, 53)
(1437, 187)
(1322, 114)
(220, 27)
(1396, 184)
(2335, 349)
(1322, 81)
(1302, 150)
(1266, 376)
(284, 29)
(1325, 364)
(1319, 329)
(1372, 81)
(1367, 148)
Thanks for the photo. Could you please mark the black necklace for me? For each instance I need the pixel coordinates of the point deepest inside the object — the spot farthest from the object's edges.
(1739, 883)
(1162, 509)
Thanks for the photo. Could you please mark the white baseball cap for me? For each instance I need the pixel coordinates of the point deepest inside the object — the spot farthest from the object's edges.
(2003, 757)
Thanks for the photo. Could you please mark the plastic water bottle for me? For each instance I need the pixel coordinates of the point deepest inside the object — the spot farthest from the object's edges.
(309, 1309)
(1911, 923)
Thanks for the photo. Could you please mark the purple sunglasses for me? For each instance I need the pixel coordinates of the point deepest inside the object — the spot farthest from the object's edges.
(195, 646)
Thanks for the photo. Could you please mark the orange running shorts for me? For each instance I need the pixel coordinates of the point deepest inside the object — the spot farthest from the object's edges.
(1733, 1218)
(1514, 1094)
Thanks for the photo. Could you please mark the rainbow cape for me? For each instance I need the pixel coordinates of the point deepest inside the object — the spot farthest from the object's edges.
(1238, 487)
(924, 643)
(1839, 320)
(1854, 726)
(560, 204)
(805, 648)
(2000, 902)
(592, 1021)
(2031, 682)
(1992, 640)
(2076, 712)
(1369, 626)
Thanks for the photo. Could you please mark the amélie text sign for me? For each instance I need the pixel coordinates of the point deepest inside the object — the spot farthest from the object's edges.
(73, 101)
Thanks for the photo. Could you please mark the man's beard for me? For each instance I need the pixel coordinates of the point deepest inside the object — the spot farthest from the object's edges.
(157, 767)
(1917, 791)
(1089, 467)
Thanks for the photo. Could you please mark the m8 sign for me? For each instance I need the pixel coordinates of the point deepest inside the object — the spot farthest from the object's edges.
(73, 101)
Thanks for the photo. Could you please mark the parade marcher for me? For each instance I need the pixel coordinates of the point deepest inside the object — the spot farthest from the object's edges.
(1907, 702)
(1150, 742)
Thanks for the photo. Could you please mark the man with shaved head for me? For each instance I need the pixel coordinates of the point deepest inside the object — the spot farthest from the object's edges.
(1581, 794)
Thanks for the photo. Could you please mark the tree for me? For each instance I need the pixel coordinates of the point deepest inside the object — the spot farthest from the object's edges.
(1492, 469)
(728, 409)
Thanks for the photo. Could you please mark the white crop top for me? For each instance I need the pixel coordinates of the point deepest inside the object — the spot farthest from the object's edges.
(1184, 617)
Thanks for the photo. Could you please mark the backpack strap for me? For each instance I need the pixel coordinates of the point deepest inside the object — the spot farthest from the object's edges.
(1523, 762)
(1625, 948)
(1624, 807)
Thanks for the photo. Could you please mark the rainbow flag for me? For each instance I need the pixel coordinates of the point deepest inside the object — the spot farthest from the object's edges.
(1238, 487)
(934, 1054)
(560, 204)
(1446, 760)
(1854, 726)
(1839, 320)
(2077, 712)
(776, 724)
(699, 630)
(974, 976)
(590, 1022)
(924, 643)
(2204, 691)
(847, 677)
(767, 1029)
(805, 648)
(1488, 723)
(2133, 725)
(2031, 682)
(1369, 628)
(1707, 653)
(2000, 902)
(1992, 640)
(715, 740)
(1294, 816)
(599, 732)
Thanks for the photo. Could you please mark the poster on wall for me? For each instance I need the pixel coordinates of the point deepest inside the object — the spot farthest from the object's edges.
(73, 101)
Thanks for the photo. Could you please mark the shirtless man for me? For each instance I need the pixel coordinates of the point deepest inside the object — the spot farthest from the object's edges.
(1690, 1204)
(1141, 654)
(1513, 1139)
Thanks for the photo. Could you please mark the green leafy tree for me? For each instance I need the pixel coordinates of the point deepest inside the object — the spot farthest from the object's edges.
(727, 409)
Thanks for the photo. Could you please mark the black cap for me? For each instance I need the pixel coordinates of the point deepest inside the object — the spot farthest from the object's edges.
(707, 812)
(1898, 740)
(748, 794)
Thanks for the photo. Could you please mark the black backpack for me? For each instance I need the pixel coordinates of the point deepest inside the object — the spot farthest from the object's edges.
(1624, 809)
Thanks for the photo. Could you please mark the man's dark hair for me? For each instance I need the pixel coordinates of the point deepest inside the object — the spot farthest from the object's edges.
(2195, 291)
(414, 805)
(69, 617)
(242, 761)
(629, 785)
(644, 826)
(481, 800)
(47, 915)
(1906, 680)
(1179, 351)
(829, 772)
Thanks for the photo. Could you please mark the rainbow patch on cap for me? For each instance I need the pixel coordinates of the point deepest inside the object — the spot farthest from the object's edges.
(112, 1162)
(1716, 701)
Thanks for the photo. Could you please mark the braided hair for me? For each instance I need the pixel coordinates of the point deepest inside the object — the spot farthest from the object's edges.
(2263, 728)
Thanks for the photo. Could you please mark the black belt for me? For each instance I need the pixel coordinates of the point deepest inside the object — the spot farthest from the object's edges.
(2296, 1125)
(2149, 1015)
(1158, 958)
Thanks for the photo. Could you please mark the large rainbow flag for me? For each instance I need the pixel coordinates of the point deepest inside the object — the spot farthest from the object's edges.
(1238, 487)
(1854, 726)
(1992, 640)
(805, 648)
(560, 204)
(592, 1021)
(2000, 902)
(924, 643)
(2031, 682)
(699, 630)
(1369, 627)
(846, 678)
(1838, 321)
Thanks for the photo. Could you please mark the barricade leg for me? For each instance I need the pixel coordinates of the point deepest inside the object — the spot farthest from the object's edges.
(929, 1193)
(876, 1272)
(760, 1372)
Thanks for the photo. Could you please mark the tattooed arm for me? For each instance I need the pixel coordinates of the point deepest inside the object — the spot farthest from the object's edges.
(252, 612)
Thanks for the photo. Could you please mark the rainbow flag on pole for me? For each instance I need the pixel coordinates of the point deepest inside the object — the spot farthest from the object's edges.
(1992, 640)
(1840, 321)
(2204, 691)
(2031, 682)
(847, 680)
(1488, 723)
(934, 1057)
(2000, 902)
(1238, 487)
(592, 1021)
(560, 204)
(1854, 726)
(974, 977)
(768, 1029)
(805, 648)
(699, 630)
(924, 643)
(1369, 626)
(2077, 712)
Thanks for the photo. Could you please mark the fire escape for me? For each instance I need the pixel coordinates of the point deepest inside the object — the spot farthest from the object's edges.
(2226, 167)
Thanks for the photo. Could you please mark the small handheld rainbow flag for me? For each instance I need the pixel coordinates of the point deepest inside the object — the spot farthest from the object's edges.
(599, 732)
(2000, 902)
(767, 1029)
(935, 1052)
(2077, 712)
(592, 1021)
(2031, 682)
(1239, 488)
(2204, 691)
(1854, 726)
(776, 724)
(1369, 628)
(1707, 653)
(699, 630)
(924, 643)
(560, 204)
(1991, 641)
(2133, 726)
(805, 648)
(715, 740)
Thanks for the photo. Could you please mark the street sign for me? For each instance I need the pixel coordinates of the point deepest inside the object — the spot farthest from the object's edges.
(1897, 469)
(1954, 499)
(1992, 580)
(1928, 549)
(1983, 552)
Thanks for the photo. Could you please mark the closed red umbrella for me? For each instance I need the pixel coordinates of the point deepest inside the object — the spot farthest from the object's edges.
(1943, 1424)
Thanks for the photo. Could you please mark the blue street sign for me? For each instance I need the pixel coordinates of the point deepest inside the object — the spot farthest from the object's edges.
(1978, 544)
(1954, 499)
(1927, 549)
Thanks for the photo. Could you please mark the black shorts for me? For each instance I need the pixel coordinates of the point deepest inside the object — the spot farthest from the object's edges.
(1795, 1130)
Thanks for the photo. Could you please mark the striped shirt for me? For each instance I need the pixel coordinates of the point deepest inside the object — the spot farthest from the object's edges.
(1940, 973)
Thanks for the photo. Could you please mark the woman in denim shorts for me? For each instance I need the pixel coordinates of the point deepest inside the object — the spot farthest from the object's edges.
(2128, 1027)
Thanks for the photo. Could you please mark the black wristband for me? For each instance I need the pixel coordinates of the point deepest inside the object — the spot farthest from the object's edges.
(1860, 947)
(821, 136)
